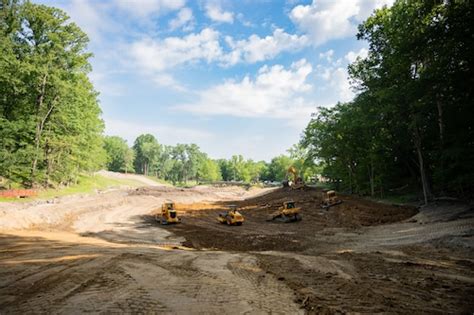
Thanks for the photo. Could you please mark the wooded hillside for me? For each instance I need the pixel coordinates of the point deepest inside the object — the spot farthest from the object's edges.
(50, 125)
(412, 125)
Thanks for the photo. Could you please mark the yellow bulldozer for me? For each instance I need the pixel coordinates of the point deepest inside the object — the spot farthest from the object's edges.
(231, 217)
(296, 182)
(168, 214)
(288, 212)
(329, 199)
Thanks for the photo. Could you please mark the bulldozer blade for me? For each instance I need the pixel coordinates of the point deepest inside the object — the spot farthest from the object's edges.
(331, 205)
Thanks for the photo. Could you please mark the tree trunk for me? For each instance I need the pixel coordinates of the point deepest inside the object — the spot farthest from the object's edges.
(39, 105)
(440, 121)
(424, 177)
(371, 178)
(441, 142)
(350, 179)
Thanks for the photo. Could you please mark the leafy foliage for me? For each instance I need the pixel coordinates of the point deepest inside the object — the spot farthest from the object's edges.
(411, 124)
(50, 126)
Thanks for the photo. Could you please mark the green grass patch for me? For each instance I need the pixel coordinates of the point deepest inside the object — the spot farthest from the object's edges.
(86, 184)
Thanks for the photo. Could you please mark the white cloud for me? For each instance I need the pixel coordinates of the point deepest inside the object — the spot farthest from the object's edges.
(325, 20)
(146, 8)
(257, 48)
(275, 92)
(167, 80)
(183, 19)
(91, 17)
(327, 55)
(159, 55)
(171, 134)
(339, 82)
(352, 56)
(215, 13)
(336, 81)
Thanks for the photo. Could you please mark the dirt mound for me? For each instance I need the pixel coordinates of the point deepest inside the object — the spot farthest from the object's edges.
(201, 229)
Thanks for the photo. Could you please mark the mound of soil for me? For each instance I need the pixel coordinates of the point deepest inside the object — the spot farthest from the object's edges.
(201, 229)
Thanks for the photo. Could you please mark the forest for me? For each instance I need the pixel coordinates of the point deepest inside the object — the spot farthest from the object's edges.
(411, 125)
(409, 128)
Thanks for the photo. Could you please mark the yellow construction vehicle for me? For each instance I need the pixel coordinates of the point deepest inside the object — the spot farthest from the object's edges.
(168, 214)
(329, 199)
(297, 182)
(231, 217)
(286, 213)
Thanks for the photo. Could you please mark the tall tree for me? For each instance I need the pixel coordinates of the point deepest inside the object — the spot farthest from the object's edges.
(147, 150)
(119, 155)
(49, 115)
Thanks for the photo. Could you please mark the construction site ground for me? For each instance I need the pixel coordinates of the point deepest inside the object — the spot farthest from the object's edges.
(106, 253)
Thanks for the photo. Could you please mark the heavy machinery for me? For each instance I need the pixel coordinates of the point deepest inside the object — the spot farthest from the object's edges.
(329, 199)
(168, 214)
(231, 217)
(296, 182)
(288, 212)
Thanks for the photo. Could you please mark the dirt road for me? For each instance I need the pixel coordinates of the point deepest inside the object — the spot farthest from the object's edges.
(105, 253)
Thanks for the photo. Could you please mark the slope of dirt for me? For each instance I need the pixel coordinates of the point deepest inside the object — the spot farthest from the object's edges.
(358, 256)
(201, 229)
(106, 253)
(48, 275)
(412, 280)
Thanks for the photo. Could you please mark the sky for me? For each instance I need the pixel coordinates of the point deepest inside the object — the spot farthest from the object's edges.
(234, 77)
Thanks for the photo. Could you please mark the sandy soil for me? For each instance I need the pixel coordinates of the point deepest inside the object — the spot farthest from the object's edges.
(105, 253)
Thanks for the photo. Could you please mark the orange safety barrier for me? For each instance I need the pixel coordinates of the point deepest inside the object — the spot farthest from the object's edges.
(18, 193)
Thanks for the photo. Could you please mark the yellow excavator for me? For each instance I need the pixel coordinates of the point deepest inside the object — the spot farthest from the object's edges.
(231, 217)
(168, 214)
(288, 212)
(329, 199)
(297, 182)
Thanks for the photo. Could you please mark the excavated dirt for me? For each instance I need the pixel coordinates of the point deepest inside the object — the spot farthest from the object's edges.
(358, 256)
(106, 253)
(201, 231)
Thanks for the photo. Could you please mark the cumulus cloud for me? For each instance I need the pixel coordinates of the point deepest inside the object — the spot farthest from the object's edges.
(324, 20)
(146, 8)
(159, 55)
(217, 14)
(336, 81)
(171, 134)
(256, 48)
(327, 55)
(156, 56)
(275, 92)
(352, 56)
(184, 19)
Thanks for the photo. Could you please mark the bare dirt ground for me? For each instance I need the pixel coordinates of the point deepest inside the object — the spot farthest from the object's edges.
(105, 253)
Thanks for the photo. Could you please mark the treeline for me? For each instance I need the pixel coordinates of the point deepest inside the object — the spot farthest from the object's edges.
(186, 162)
(50, 126)
(411, 127)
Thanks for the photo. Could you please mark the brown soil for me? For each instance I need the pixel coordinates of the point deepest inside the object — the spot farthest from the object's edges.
(201, 230)
(106, 253)
(343, 259)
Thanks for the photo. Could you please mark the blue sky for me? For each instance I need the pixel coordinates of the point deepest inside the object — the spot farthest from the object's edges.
(234, 77)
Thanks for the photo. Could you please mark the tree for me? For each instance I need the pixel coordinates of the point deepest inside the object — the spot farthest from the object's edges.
(147, 151)
(278, 167)
(209, 170)
(49, 116)
(395, 132)
(119, 155)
